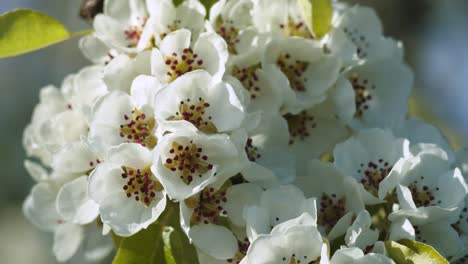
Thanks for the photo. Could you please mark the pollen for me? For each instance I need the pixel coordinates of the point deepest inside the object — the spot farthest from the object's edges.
(300, 126)
(362, 90)
(423, 196)
(361, 42)
(228, 32)
(208, 205)
(140, 185)
(139, 129)
(294, 70)
(332, 208)
(373, 173)
(179, 64)
(252, 151)
(188, 161)
(249, 79)
(133, 32)
(195, 114)
(296, 29)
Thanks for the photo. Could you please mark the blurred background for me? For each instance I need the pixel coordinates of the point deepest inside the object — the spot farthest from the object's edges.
(434, 34)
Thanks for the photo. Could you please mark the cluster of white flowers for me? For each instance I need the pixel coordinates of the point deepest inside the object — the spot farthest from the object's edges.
(273, 142)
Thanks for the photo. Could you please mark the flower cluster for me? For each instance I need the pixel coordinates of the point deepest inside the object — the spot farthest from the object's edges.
(275, 143)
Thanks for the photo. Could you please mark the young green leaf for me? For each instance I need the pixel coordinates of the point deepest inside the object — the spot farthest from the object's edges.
(322, 13)
(424, 250)
(317, 15)
(24, 30)
(412, 252)
(144, 247)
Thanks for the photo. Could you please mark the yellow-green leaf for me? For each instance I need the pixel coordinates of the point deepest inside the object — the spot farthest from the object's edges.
(322, 13)
(424, 250)
(24, 30)
(317, 15)
(412, 252)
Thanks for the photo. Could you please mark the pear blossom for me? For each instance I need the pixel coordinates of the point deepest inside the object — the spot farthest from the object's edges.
(123, 26)
(248, 70)
(360, 234)
(290, 242)
(271, 162)
(442, 235)
(51, 125)
(274, 208)
(186, 161)
(314, 132)
(166, 18)
(177, 55)
(118, 117)
(375, 95)
(232, 20)
(196, 101)
(338, 198)
(427, 188)
(357, 35)
(302, 67)
(69, 239)
(119, 73)
(129, 195)
(282, 17)
(369, 157)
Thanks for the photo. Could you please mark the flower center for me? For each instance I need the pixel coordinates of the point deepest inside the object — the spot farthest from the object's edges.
(359, 40)
(187, 160)
(139, 129)
(298, 29)
(175, 25)
(194, 113)
(241, 253)
(422, 197)
(179, 64)
(373, 174)
(362, 94)
(208, 205)
(294, 71)
(249, 79)
(299, 126)
(252, 151)
(133, 32)
(141, 184)
(332, 209)
(293, 259)
(228, 32)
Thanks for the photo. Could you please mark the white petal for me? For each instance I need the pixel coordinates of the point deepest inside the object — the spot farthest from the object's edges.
(238, 197)
(216, 241)
(74, 203)
(67, 240)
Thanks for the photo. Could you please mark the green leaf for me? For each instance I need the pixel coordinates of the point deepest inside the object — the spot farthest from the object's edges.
(317, 15)
(424, 250)
(163, 242)
(177, 249)
(322, 13)
(24, 30)
(208, 4)
(412, 252)
(177, 2)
